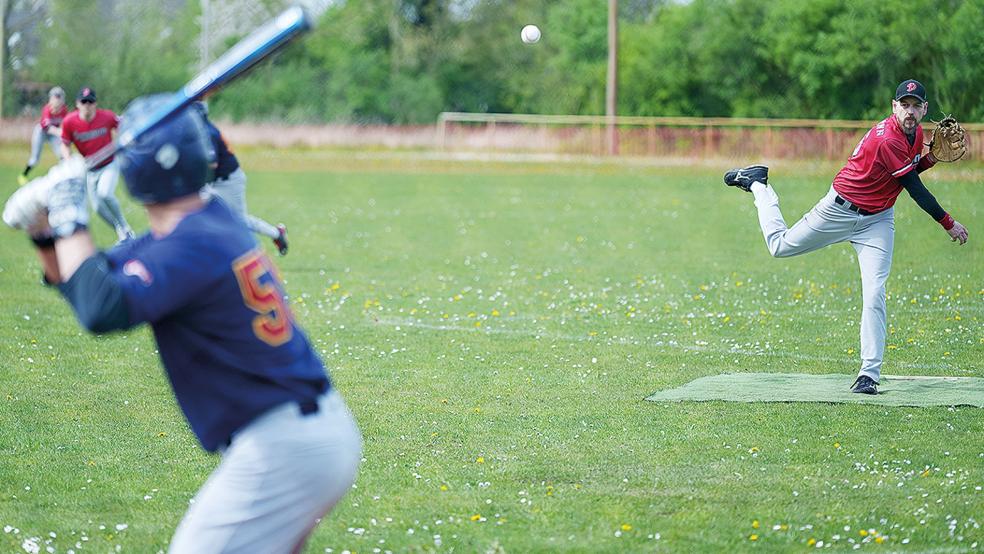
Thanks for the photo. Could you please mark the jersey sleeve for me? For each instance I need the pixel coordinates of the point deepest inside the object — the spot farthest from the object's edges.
(45, 118)
(160, 279)
(66, 131)
(895, 158)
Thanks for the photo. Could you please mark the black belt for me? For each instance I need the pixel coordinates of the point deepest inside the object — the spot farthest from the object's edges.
(850, 205)
(308, 407)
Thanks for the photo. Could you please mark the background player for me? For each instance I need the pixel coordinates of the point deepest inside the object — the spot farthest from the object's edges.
(858, 209)
(229, 184)
(90, 128)
(47, 130)
(243, 373)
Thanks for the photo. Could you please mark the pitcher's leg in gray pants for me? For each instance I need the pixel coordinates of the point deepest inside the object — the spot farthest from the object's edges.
(874, 243)
(824, 225)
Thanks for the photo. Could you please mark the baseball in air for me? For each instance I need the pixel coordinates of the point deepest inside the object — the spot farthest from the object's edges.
(530, 34)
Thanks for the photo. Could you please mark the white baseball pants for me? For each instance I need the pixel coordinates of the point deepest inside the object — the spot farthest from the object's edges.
(232, 191)
(872, 236)
(100, 185)
(278, 477)
(38, 138)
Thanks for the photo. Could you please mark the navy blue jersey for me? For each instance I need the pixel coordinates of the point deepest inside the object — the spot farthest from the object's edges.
(225, 334)
(226, 159)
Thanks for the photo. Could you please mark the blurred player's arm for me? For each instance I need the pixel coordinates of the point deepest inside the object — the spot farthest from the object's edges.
(45, 247)
(89, 285)
(925, 199)
(66, 142)
(86, 280)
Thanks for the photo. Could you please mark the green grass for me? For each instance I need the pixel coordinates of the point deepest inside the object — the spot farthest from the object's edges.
(495, 328)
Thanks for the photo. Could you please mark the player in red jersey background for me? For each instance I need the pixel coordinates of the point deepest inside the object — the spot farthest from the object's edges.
(90, 128)
(47, 130)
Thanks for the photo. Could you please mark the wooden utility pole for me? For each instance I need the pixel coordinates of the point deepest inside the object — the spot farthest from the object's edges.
(612, 85)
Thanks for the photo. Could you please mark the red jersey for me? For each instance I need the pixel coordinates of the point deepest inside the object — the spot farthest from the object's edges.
(51, 118)
(89, 136)
(870, 178)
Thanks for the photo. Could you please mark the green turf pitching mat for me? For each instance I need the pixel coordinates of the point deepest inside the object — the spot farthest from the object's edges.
(799, 387)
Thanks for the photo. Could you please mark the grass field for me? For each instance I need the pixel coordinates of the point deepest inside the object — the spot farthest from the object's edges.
(495, 329)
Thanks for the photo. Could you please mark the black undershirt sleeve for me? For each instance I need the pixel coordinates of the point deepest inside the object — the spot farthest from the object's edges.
(922, 196)
(96, 297)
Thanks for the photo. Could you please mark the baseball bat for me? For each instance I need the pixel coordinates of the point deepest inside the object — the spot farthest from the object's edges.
(249, 51)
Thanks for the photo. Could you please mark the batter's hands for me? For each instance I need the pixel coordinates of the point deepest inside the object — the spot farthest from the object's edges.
(67, 211)
(958, 232)
(26, 208)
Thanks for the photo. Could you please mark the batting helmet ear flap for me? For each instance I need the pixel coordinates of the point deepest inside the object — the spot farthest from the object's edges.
(171, 160)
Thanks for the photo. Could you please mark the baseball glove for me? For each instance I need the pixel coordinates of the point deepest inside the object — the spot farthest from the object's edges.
(949, 143)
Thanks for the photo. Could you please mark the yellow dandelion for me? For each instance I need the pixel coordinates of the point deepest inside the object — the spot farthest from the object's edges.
(753, 537)
(480, 460)
(811, 542)
(495, 313)
(863, 532)
(444, 487)
(755, 524)
(476, 517)
(626, 527)
(837, 445)
(879, 540)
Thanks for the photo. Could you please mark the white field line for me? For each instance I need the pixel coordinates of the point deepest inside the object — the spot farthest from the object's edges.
(669, 344)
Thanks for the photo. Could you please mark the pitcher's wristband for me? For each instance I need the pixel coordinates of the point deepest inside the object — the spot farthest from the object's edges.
(947, 222)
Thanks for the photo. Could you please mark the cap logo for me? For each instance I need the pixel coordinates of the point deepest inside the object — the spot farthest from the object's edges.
(87, 92)
(910, 87)
(167, 156)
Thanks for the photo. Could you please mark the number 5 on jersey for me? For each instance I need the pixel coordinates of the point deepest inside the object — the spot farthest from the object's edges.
(273, 324)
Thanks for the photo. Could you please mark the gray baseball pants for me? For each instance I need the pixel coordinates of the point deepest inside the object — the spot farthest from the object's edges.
(278, 477)
(872, 236)
(38, 138)
(100, 186)
(232, 191)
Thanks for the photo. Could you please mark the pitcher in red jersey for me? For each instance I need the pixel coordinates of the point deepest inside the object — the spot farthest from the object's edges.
(858, 209)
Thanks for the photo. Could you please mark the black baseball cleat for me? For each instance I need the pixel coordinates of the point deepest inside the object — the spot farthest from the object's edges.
(745, 176)
(865, 385)
(281, 241)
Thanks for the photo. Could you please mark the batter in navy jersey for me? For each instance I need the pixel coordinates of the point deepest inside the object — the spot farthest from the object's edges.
(242, 371)
(859, 209)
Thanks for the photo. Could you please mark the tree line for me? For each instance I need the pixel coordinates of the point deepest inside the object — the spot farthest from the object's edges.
(405, 61)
